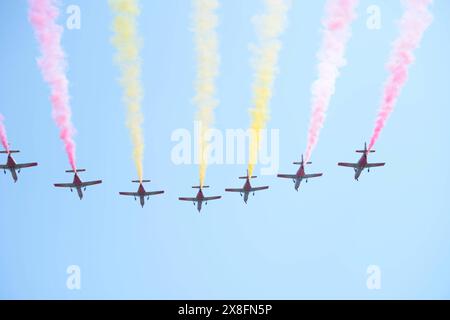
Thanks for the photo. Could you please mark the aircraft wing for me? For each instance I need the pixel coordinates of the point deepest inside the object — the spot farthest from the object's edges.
(349, 165)
(65, 185)
(131, 194)
(90, 183)
(235, 190)
(26, 165)
(258, 189)
(187, 199)
(3, 167)
(153, 193)
(373, 165)
(212, 198)
(287, 176)
(314, 175)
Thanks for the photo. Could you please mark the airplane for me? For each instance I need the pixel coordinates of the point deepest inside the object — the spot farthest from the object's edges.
(247, 188)
(141, 193)
(12, 166)
(77, 183)
(300, 175)
(362, 163)
(200, 197)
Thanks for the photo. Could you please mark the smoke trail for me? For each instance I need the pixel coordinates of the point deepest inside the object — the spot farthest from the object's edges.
(43, 15)
(205, 22)
(269, 27)
(415, 21)
(3, 135)
(127, 42)
(331, 57)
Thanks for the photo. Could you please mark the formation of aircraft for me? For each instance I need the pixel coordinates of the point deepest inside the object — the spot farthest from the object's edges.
(247, 188)
(200, 198)
(300, 175)
(141, 193)
(77, 184)
(12, 166)
(362, 163)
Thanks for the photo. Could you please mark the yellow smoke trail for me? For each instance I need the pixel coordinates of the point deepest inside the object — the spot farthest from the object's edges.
(269, 28)
(205, 22)
(127, 42)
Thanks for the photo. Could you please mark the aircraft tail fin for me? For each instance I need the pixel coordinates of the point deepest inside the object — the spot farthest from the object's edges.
(365, 150)
(302, 162)
(247, 176)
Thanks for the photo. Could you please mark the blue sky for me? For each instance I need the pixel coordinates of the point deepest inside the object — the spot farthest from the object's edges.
(316, 243)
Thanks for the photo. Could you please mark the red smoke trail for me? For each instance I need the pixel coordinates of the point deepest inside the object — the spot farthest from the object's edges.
(337, 22)
(413, 25)
(43, 15)
(3, 135)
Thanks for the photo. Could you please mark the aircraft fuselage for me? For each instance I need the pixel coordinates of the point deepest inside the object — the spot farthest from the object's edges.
(300, 175)
(77, 183)
(11, 164)
(362, 163)
(141, 191)
(247, 188)
(200, 196)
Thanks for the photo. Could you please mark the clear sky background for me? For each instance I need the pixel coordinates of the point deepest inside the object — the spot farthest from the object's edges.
(316, 243)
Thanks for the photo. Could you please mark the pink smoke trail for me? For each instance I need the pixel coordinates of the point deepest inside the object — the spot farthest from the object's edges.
(3, 135)
(336, 34)
(43, 15)
(413, 25)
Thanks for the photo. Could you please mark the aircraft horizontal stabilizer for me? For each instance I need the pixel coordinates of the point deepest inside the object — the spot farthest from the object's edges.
(365, 151)
(78, 170)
